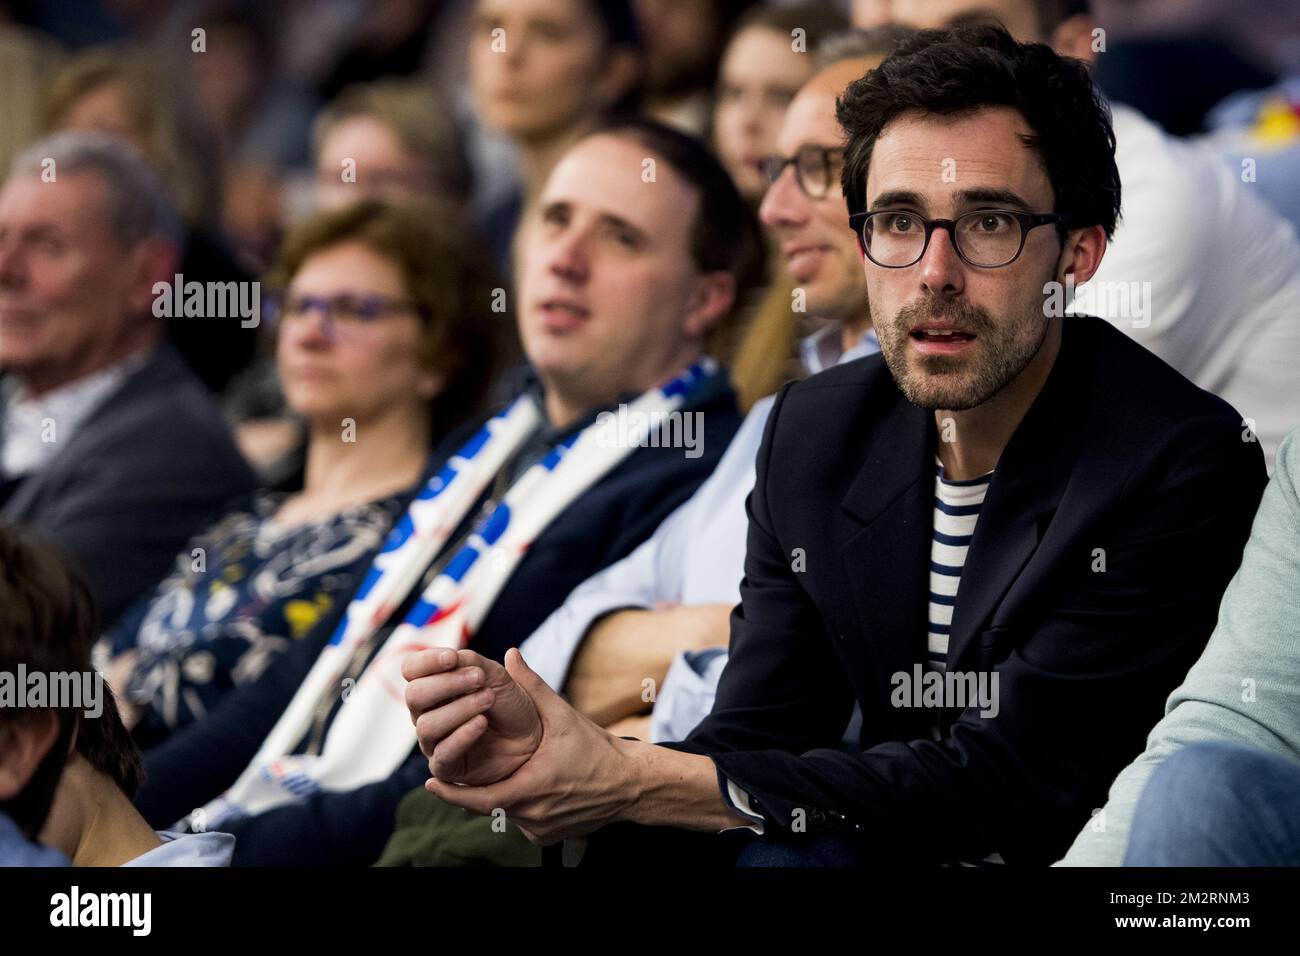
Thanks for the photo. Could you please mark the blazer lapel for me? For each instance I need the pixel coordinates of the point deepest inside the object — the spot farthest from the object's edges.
(887, 561)
(1027, 486)
(1011, 523)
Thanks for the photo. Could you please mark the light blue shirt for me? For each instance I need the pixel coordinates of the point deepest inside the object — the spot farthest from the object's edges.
(188, 849)
(17, 850)
(1235, 134)
(696, 556)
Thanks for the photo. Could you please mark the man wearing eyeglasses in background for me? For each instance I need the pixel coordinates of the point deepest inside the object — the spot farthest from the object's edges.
(1005, 539)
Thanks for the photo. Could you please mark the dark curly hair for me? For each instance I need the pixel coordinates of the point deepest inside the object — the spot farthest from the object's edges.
(968, 68)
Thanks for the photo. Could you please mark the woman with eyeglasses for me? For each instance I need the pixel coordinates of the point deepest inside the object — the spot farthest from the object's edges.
(383, 346)
(769, 56)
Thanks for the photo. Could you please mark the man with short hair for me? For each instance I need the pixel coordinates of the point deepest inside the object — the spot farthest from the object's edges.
(662, 613)
(1004, 519)
(1202, 271)
(622, 280)
(110, 448)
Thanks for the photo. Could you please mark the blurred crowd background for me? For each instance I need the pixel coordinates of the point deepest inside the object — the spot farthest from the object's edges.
(253, 109)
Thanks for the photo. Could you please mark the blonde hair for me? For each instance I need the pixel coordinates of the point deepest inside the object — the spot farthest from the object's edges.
(419, 117)
(767, 354)
(162, 126)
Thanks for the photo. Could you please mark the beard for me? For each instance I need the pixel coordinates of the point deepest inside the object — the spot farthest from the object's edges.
(959, 382)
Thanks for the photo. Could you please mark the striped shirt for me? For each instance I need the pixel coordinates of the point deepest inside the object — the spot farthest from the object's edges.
(956, 509)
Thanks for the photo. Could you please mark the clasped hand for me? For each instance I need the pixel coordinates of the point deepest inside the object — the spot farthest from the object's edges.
(500, 738)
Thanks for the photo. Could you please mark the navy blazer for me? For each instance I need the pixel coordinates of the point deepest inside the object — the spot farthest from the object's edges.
(1120, 459)
(602, 526)
(153, 465)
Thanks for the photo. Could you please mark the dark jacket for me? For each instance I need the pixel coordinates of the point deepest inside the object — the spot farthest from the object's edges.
(1119, 460)
(153, 465)
(602, 526)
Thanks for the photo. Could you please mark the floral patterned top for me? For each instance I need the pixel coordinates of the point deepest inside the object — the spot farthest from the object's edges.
(239, 595)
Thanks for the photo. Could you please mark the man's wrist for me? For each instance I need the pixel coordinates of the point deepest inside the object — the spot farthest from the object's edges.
(636, 776)
(669, 788)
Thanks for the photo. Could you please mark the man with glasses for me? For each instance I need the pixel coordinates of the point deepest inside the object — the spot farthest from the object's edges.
(1005, 539)
(1201, 271)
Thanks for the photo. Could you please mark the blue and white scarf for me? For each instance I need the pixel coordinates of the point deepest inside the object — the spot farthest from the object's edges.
(372, 733)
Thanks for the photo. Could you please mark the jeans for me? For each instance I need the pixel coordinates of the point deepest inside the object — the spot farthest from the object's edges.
(1218, 804)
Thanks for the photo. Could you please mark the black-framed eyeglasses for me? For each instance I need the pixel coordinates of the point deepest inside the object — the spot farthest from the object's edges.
(815, 168)
(985, 239)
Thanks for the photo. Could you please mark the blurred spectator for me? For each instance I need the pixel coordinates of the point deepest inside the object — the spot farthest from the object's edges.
(684, 40)
(389, 40)
(124, 93)
(77, 803)
(393, 140)
(1175, 59)
(543, 72)
(233, 65)
(1156, 52)
(663, 612)
(671, 598)
(1200, 271)
(767, 354)
(767, 59)
(1258, 134)
(261, 121)
(112, 449)
(390, 140)
(28, 60)
(401, 358)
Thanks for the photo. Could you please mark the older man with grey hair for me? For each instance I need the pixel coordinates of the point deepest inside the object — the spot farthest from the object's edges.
(110, 448)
